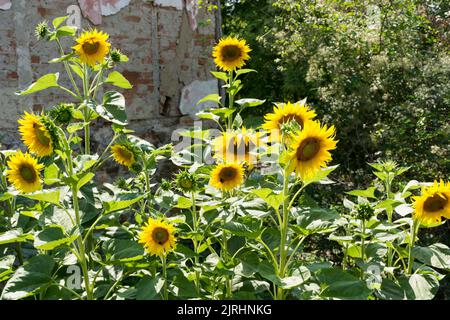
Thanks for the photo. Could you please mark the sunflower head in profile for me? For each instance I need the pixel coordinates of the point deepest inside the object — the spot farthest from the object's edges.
(158, 237)
(432, 204)
(231, 53)
(23, 172)
(227, 176)
(310, 149)
(240, 146)
(35, 135)
(92, 47)
(283, 113)
(123, 155)
(186, 182)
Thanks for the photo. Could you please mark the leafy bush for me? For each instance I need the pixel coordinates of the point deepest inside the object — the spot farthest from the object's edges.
(377, 70)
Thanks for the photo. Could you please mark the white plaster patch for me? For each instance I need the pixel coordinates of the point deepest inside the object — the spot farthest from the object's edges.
(178, 4)
(5, 4)
(110, 7)
(192, 9)
(195, 91)
(95, 9)
(92, 10)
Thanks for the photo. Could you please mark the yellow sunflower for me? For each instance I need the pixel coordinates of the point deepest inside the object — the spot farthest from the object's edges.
(92, 47)
(35, 135)
(227, 176)
(432, 204)
(123, 155)
(23, 172)
(285, 112)
(237, 146)
(157, 236)
(310, 149)
(231, 53)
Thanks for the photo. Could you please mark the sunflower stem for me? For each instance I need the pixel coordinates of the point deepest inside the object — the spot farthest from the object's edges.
(230, 100)
(195, 242)
(81, 256)
(390, 253)
(413, 235)
(80, 243)
(283, 231)
(69, 72)
(86, 113)
(164, 266)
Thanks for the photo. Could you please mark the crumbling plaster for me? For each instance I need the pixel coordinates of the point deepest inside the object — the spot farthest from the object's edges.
(169, 56)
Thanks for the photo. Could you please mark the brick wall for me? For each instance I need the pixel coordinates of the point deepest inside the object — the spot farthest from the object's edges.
(167, 42)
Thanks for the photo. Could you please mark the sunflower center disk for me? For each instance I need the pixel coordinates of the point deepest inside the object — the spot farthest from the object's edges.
(126, 154)
(40, 135)
(308, 149)
(28, 174)
(160, 235)
(91, 48)
(230, 53)
(227, 174)
(435, 203)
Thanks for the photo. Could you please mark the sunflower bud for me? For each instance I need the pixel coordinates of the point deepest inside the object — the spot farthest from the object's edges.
(116, 55)
(42, 30)
(165, 185)
(364, 211)
(136, 167)
(389, 165)
(62, 113)
(122, 183)
(186, 182)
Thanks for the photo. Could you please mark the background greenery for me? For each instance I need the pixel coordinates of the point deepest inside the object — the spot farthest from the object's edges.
(379, 70)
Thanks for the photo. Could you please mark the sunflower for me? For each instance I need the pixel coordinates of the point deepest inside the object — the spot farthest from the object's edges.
(157, 236)
(432, 204)
(35, 135)
(123, 155)
(231, 53)
(237, 146)
(23, 172)
(227, 176)
(310, 149)
(285, 112)
(92, 46)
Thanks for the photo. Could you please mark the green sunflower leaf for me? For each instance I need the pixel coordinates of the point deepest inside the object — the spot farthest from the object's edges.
(48, 81)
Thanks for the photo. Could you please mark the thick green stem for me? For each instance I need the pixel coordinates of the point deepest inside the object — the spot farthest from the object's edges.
(86, 112)
(195, 242)
(80, 243)
(87, 131)
(164, 266)
(363, 240)
(228, 284)
(413, 235)
(230, 101)
(69, 72)
(284, 232)
(390, 253)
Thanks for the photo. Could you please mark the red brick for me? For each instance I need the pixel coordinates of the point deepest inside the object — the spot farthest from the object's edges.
(12, 75)
(35, 59)
(132, 18)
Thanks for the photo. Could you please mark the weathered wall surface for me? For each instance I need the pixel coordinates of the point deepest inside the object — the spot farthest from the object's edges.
(167, 41)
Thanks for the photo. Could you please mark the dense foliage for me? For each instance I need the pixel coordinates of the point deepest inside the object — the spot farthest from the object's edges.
(378, 70)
